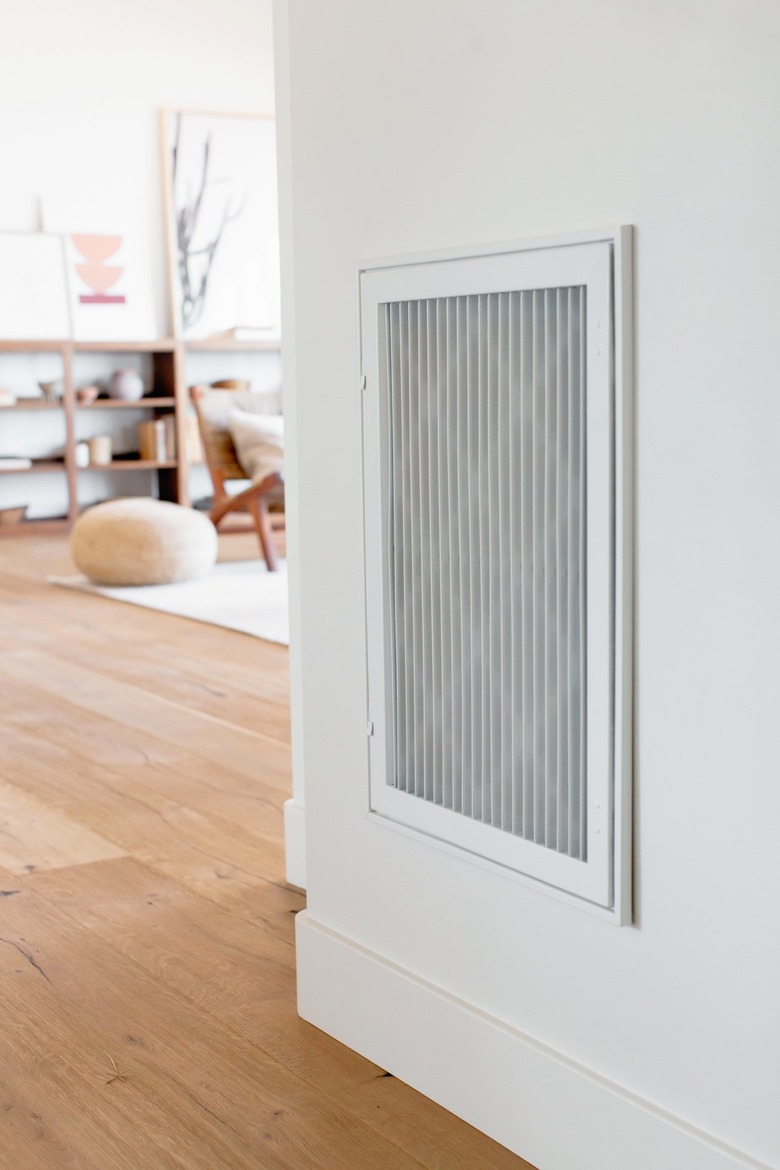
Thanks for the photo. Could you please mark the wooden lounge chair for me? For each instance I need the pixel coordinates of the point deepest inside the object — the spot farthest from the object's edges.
(263, 501)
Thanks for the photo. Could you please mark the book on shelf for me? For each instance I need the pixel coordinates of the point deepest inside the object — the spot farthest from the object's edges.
(152, 444)
(157, 439)
(192, 439)
(169, 425)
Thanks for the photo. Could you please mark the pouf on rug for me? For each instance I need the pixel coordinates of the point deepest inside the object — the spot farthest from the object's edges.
(143, 542)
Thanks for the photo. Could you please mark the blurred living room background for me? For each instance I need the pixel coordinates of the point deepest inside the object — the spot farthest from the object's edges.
(89, 118)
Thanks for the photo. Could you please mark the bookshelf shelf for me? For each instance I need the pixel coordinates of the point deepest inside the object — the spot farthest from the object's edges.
(116, 404)
(38, 465)
(22, 346)
(132, 465)
(164, 345)
(32, 404)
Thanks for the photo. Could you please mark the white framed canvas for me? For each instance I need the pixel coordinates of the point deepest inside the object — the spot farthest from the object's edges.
(108, 268)
(33, 291)
(221, 211)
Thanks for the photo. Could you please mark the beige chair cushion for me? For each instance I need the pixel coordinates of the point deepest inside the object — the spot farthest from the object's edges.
(259, 442)
(216, 406)
(143, 542)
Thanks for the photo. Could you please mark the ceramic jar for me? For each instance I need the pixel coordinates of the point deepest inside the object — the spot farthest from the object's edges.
(100, 451)
(126, 385)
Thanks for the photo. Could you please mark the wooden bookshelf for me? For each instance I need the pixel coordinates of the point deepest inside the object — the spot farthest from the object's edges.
(169, 395)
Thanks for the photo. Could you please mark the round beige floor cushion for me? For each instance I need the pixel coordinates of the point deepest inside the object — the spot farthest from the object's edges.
(143, 542)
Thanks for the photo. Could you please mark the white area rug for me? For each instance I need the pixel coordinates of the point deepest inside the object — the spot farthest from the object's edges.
(239, 595)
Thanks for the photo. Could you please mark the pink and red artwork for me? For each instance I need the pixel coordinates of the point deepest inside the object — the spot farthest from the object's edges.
(110, 286)
(98, 276)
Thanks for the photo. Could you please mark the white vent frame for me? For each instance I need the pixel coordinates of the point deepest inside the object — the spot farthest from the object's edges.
(603, 263)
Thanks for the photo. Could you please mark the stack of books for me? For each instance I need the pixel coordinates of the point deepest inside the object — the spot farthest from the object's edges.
(157, 439)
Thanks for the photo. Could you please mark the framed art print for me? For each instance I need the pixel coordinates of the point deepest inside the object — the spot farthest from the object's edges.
(33, 290)
(219, 174)
(108, 268)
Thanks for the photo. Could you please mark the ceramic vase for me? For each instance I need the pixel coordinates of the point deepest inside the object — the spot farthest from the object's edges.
(126, 385)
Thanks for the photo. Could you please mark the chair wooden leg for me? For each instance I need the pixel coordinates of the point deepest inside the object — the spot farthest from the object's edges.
(259, 509)
(220, 504)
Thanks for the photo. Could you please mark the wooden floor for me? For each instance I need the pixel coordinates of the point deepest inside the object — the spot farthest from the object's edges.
(147, 1003)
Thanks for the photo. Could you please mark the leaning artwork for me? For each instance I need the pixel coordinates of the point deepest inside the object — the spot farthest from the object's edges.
(221, 213)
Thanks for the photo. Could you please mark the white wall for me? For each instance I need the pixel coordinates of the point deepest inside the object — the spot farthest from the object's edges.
(446, 123)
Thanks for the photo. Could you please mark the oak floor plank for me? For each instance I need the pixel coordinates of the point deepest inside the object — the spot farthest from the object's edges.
(174, 958)
(35, 836)
(144, 762)
(144, 711)
(222, 861)
(214, 957)
(194, 1089)
(27, 1138)
(221, 962)
(255, 700)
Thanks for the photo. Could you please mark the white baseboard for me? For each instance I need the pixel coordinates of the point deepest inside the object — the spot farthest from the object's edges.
(295, 843)
(553, 1111)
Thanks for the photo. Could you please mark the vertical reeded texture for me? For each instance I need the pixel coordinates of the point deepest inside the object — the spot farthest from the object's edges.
(486, 531)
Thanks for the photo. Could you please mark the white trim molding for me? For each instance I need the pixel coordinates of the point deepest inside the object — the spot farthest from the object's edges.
(546, 1107)
(295, 843)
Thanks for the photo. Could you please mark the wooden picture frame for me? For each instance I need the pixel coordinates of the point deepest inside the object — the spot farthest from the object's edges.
(221, 222)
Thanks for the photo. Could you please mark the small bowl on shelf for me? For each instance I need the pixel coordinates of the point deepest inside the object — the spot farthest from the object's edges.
(52, 391)
(12, 516)
(86, 395)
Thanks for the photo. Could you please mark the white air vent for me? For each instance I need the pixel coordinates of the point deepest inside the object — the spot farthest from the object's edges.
(497, 537)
